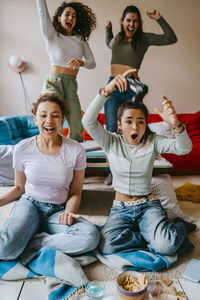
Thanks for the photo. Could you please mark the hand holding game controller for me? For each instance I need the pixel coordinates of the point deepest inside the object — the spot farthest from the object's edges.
(139, 89)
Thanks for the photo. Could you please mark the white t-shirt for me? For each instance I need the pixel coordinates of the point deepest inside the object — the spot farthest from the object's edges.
(48, 177)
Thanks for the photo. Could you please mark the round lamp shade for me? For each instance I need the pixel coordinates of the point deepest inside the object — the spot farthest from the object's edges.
(16, 64)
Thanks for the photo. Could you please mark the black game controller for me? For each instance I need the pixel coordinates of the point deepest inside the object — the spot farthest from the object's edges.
(139, 89)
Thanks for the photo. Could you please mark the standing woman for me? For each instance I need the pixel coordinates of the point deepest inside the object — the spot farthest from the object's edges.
(128, 49)
(49, 175)
(68, 50)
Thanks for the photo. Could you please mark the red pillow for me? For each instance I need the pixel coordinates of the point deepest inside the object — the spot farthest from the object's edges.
(101, 119)
(86, 136)
(65, 131)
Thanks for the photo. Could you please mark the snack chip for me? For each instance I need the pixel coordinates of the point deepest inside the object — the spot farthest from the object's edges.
(133, 284)
(166, 281)
(181, 294)
(171, 290)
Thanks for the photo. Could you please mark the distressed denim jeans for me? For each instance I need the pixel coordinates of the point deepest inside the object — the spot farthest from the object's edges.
(29, 217)
(140, 227)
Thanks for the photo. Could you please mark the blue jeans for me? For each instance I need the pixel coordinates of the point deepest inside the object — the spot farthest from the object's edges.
(112, 104)
(29, 217)
(146, 225)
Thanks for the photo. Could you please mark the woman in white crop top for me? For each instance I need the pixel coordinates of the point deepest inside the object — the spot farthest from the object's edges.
(49, 175)
(66, 41)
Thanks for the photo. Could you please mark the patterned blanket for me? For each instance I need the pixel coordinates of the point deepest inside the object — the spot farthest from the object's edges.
(64, 274)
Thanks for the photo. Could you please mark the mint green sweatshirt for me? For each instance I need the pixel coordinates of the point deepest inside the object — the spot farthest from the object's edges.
(131, 166)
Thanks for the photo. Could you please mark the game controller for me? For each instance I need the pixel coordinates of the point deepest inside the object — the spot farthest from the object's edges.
(139, 89)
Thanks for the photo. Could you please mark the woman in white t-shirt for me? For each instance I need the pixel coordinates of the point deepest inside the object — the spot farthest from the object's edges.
(49, 175)
(66, 40)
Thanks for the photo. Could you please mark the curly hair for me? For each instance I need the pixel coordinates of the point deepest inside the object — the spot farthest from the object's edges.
(51, 98)
(85, 19)
(139, 33)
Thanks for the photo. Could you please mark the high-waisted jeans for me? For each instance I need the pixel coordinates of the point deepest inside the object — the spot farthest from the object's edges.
(29, 217)
(143, 226)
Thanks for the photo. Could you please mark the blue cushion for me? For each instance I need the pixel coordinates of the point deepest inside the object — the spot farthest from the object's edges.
(29, 127)
(16, 128)
(4, 132)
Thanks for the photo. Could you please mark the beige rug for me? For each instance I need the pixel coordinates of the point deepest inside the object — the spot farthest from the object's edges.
(97, 214)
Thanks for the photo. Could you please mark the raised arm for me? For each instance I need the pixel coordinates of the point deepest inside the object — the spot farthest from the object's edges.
(168, 114)
(168, 37)
(109, 34)
(16, 192)
(45, 20)
(182, 144)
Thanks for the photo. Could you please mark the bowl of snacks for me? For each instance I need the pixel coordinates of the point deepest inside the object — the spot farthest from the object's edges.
(131, 285)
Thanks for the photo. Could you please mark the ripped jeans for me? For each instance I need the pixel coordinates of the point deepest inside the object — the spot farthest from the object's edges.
(29, 217)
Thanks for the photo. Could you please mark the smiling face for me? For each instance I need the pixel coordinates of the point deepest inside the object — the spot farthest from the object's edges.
(68, 19)
(132, 125)
(130, 25)
(49, 119)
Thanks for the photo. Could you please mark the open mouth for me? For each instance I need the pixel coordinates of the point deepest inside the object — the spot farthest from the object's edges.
(49, 129)
(131, 31)
(134, 136)
(69, 25)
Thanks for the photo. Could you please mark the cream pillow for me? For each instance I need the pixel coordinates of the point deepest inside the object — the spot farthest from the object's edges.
(162, 128)
(162, 186)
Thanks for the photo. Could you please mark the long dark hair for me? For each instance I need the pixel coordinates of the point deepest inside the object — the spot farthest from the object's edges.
(138, 34)
(85, 19)
(135, 105)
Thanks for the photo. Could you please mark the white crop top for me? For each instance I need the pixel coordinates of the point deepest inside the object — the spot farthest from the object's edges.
(61, 48)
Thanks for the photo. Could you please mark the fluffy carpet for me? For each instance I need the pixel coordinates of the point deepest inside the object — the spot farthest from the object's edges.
(97, 214)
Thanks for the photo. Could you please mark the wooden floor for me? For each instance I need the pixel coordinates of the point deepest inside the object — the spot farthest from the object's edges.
(36, 290)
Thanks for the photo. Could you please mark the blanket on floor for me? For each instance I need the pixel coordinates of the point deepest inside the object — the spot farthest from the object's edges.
(64, 274)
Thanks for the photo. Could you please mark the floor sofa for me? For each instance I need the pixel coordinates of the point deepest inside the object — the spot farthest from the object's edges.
(189, 163)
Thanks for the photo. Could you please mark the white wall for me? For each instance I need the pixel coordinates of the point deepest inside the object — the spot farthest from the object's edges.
(172, 70)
